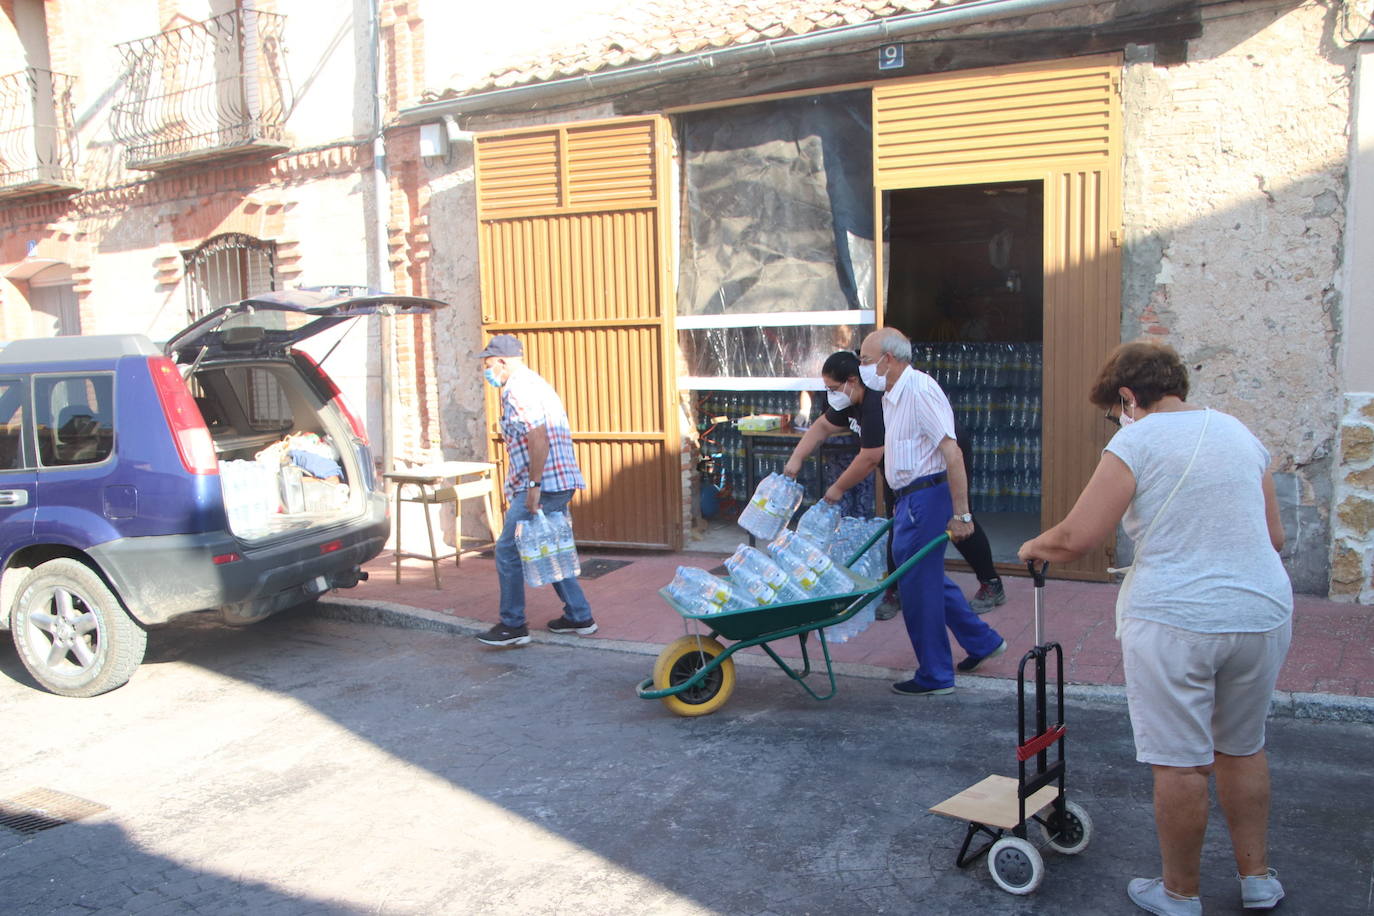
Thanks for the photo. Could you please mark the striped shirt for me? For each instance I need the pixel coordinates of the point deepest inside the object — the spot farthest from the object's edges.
(527, 401)
(918, 419)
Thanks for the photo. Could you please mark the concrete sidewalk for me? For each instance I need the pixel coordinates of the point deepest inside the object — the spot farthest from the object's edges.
(1330, 664)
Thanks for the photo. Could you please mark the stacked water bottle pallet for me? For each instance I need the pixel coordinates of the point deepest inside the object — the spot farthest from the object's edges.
(725, 440)
(995, 390)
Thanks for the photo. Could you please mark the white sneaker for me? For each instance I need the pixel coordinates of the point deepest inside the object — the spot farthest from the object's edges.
(1260, 892)
(1149, 894)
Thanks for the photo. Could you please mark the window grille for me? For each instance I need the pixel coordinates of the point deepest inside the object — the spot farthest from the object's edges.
(225, 269)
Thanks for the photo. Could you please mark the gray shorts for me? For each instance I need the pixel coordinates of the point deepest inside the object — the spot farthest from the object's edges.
(1193, 694)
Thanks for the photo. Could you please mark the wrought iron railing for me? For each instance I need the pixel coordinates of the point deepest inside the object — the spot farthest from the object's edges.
(37, 140)
(204, 89)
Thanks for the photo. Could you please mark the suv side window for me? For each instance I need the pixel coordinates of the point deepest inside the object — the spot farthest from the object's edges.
(74, 415)
(12, 457)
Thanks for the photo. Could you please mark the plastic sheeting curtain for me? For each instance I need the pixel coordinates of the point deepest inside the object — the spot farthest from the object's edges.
(778, 218)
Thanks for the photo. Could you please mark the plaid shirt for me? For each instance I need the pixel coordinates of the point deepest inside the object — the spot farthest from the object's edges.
(527, 401)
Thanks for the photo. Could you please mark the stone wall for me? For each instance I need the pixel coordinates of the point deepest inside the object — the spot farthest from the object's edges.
(1352, 548)
(1234, 209)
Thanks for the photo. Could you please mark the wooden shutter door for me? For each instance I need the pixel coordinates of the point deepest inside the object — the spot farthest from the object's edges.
(572, 238)
(1059, 123)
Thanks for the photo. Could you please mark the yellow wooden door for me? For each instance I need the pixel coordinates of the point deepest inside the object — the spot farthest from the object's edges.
(573, 246)
(1059, 123)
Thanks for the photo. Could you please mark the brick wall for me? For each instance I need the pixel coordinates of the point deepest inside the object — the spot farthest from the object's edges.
(1352, 547)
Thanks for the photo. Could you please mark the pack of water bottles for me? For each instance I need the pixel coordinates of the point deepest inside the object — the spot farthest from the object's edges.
(547, 550)
(699, 592)
(771, 507)
(755, 574)
(808, 565)
(849, 537)
(820, 523)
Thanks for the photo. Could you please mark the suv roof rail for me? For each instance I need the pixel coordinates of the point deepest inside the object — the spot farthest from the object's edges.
(67, 349)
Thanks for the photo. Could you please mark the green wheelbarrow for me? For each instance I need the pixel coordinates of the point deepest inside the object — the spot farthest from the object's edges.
(695, 675)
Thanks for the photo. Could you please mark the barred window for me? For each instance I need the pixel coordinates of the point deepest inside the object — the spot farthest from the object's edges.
(225, 269)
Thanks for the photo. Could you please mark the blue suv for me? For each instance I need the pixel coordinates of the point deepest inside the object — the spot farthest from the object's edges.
(221, 472)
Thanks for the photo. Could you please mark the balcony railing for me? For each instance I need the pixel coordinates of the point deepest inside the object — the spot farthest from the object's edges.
(203, 91)
(37, 141)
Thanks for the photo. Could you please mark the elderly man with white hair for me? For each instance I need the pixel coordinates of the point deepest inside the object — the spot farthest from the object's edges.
(925, 470)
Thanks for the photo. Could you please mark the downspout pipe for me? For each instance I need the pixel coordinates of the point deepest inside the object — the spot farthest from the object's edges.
(892, 28)
(379, 270)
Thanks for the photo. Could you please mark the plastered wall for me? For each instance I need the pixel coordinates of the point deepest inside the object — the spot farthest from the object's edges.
(1235, 193)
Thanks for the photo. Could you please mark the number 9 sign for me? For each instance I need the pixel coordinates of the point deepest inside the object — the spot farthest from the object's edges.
(891, 57)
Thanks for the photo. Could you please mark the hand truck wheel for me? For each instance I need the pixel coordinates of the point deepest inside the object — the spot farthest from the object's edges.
(1071, 835)
(1016, 865)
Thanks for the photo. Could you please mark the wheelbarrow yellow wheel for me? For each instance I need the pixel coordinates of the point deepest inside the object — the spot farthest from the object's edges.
(685, 657)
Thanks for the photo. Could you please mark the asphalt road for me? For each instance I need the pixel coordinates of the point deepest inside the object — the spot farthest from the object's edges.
(308, 765)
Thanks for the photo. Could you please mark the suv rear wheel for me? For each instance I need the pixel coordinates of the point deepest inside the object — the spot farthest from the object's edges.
(72, 632)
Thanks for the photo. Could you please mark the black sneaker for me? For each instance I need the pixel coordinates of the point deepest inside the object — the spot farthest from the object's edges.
(502, 635)
(889, 607)
(973, 662)
(564, 625)
(912, 689)
(990, 594)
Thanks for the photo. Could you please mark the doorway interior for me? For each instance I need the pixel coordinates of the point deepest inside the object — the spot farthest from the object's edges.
(965, 281)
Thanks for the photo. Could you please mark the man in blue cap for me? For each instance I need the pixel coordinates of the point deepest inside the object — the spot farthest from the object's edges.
(541, 474)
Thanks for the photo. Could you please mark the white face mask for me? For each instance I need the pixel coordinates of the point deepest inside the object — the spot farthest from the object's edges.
(1126, 419)
(871, 378)
(837, 399)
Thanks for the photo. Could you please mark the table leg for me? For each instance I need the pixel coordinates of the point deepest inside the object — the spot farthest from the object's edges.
(429, 530)
(396, 534)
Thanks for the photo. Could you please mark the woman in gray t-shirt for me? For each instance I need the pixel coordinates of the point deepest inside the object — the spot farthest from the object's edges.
(1204, 615)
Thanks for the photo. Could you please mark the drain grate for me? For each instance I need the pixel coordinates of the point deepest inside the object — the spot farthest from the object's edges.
(43, 809)
(596, 568)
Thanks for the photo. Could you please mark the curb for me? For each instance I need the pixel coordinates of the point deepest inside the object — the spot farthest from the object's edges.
(1285, 705)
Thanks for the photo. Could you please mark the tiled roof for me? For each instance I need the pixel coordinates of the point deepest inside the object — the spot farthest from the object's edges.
(654, 29)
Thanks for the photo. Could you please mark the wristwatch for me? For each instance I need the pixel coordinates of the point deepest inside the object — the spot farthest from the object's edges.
(966, 517)
(534, 485)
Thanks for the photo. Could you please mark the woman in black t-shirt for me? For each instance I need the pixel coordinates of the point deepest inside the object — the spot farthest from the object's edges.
(852, 406)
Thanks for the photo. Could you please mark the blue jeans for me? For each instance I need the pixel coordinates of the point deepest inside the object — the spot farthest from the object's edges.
(512, 576)
(930, 599)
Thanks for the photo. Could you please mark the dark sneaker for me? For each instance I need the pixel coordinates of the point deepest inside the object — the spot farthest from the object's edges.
(564, 625)
(990, 594)
(502, 635)
(972, 663)
(912, 689)
(890, 607)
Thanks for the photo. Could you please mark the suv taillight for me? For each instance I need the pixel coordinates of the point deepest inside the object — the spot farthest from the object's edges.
(332, 393)
(194, 445)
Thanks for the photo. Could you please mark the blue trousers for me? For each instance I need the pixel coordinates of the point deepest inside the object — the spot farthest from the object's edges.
(930, 600)
(511, 574)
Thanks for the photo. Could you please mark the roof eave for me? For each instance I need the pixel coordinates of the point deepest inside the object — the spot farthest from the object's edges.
(623, 78)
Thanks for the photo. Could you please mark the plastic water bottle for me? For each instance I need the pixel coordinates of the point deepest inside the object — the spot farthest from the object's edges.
(752, 586)
(756, 563)
(819, 523)
(696, 588)
(565, 562)
(806, 550)
(536, 545)
(771, 506)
